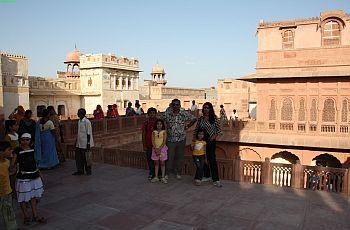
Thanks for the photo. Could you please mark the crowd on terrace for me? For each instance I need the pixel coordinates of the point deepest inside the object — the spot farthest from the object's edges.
(30, 146)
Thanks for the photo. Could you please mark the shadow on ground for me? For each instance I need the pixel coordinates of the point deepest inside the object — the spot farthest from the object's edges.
(122, 198)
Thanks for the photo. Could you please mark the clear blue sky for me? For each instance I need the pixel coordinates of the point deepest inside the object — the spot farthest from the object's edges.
(196, 41)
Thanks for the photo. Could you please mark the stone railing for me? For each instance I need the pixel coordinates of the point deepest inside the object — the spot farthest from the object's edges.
(104, 127)
(255, 172)
(288, 127)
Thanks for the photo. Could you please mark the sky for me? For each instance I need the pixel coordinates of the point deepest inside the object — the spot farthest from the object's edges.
(197, 42)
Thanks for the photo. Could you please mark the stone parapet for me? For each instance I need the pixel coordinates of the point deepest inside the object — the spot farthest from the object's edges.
(325, 179)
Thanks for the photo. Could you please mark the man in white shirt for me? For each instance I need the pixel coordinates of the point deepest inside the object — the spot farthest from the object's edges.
(83, 143)
(234, 115)
(194, 106)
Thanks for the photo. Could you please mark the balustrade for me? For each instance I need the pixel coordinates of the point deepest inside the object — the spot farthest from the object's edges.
(328, 128)
(256, 172)
(281, 174)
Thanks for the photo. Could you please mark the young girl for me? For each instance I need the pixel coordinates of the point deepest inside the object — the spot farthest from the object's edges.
(29, 185)
(159, 151)
(199, 150)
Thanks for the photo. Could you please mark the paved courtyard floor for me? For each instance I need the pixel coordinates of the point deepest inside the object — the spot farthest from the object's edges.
(122, 198)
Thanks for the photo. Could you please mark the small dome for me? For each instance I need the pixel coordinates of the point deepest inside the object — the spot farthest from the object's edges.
(73, 56)
(157, 69)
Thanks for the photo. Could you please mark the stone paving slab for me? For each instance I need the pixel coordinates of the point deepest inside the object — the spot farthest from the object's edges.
(122, 198)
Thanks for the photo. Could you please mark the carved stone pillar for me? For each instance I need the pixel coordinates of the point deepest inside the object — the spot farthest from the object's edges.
(127, 83)
(120, 83)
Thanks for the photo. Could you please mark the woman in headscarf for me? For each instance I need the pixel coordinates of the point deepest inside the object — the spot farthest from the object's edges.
(115, 109)
(45, 142)
(57, 132)
(17, 114)
(98, 112)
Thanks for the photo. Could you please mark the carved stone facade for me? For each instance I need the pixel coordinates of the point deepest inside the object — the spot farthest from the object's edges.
(14, 86)
(238, 95)
(303, 87)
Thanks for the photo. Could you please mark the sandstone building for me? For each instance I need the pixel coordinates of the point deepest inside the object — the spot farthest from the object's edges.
(14, 85)
(155, 93)
(89, 79)
(303, 90)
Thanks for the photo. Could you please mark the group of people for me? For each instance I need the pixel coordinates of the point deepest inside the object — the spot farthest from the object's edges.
(164, 142)
(223, 116)
(112, 111)
(28, 146)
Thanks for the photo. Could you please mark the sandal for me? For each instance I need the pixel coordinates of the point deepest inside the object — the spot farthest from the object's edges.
(26, 221)
(40, 220)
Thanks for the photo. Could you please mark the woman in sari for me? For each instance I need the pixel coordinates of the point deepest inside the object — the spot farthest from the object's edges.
(17, 114)
(45, 142)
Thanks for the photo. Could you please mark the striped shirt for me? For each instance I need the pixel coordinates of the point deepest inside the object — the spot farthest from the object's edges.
(211, 129)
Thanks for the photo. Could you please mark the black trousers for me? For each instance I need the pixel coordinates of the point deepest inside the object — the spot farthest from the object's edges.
(80, 161)
(212, 168)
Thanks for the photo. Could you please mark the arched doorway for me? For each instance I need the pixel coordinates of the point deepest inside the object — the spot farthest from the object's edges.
(61, 110)
(327, 160)
(284, 157)
(249, 154)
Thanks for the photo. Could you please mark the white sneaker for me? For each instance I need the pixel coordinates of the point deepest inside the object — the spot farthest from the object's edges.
(178, 177)
(217, 184)
(155, 179)
(197, 182)
(166, 177)
(206, 179)
(164, 180)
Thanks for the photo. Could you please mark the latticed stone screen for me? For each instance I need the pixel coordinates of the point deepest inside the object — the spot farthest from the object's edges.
(273, 110)
(302, 110)
(344, 111)
(287, 110)
(328, 113)
(313, 110)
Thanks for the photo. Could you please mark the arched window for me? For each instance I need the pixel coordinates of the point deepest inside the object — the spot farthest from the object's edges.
(287, 110)
(331, 33)
(272, 115)
(301, 114)
(344, 111)
(287, 39)
(313, 110)
(328, 113)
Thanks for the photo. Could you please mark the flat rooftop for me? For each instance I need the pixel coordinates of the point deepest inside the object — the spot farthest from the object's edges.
(122, 198)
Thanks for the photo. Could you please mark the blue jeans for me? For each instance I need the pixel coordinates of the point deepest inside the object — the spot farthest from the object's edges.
(199, 162)
(150, 162)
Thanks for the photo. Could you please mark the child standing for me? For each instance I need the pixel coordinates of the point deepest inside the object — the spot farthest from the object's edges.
(29, 185)
(199, 151)
(147, 132)
(6, 169)
(159, 152)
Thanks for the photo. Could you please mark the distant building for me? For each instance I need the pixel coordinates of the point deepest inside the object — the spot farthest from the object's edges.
(155, 93)
(238, 95)
(89, 80)
(14, 86)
